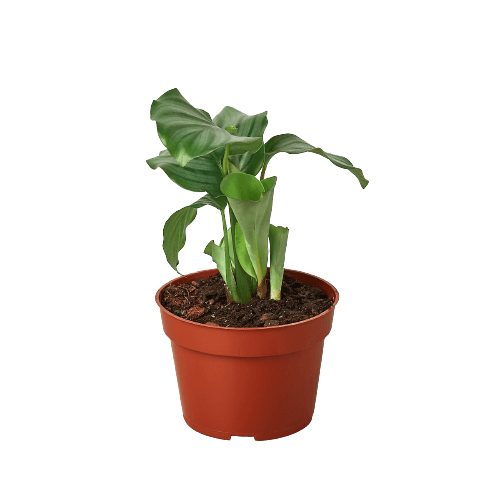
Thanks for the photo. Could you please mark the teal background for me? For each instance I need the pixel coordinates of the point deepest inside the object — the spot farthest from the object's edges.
(408, 403)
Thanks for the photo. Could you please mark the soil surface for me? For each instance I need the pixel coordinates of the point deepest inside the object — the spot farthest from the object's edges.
(204, 301)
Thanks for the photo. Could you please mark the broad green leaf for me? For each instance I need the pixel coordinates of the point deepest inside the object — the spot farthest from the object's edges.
(188, 132)
(200, 174)
(289, 143)
(247, 126)
(174, 231)
(242, 187)
(174, 234)
(278, 237)
(204, 113)
(254, 218)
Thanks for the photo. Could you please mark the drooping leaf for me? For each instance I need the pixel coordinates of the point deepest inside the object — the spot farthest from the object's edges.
(174, 234)
(278, 237)
(174, 230)
(200, 174)
(290, 143)
(188, 132)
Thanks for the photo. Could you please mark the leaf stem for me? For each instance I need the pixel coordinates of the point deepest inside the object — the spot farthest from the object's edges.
(263, 171)
(225, 162)
(231, 285)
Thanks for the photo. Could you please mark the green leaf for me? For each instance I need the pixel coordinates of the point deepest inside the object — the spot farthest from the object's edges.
(174, 230)
(243, 280)
(278, 237)
(188, 132)
(247, 126)
(254, 217)
(204, 113)
(242, 186)
(255, 162)
(242, 252)
(217, 254)
(289, 143)
(220, 202)
(174, 234)
(221, 256)
(200, 174)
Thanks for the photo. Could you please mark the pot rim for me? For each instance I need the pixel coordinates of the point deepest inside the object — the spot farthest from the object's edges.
(258, 328)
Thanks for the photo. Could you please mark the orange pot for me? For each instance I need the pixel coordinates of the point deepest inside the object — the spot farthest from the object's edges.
(259, 382)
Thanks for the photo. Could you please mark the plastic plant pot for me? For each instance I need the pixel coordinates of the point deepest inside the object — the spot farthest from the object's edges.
(258, 382)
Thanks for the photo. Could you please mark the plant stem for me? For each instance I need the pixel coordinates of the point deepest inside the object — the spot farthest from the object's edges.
(225, 163)
(231, 285)
(263, 171)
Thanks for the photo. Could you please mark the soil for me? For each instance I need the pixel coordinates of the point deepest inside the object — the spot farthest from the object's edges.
(204, 301)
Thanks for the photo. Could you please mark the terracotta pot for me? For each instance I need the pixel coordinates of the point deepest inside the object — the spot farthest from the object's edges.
(259, 382)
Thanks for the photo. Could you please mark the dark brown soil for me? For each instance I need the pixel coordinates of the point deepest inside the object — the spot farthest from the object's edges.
(204, 301)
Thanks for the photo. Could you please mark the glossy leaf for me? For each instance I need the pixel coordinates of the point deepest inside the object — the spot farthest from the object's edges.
(291, 144)
(188, 132)
(278, 237)
(200, 174)
(217, 253)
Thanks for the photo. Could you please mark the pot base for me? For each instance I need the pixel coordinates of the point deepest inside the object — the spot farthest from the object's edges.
(258, 437)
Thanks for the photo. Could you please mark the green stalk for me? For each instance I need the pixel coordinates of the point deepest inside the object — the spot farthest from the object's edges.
(229, 278)
(225, 162)
(263, 171)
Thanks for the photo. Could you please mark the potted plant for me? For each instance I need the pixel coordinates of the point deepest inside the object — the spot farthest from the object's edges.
(234, 379)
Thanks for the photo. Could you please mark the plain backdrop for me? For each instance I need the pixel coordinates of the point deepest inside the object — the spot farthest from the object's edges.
(408, 399)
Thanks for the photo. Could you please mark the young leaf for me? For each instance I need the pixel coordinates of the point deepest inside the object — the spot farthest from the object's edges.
(278, 237)
(188, 132)
(243, 280)
(254, 163)
(218, 255)
(253, 218)
(242, 186)
(289, 143)
(242, 252)
(200, 174)
(247, 126)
